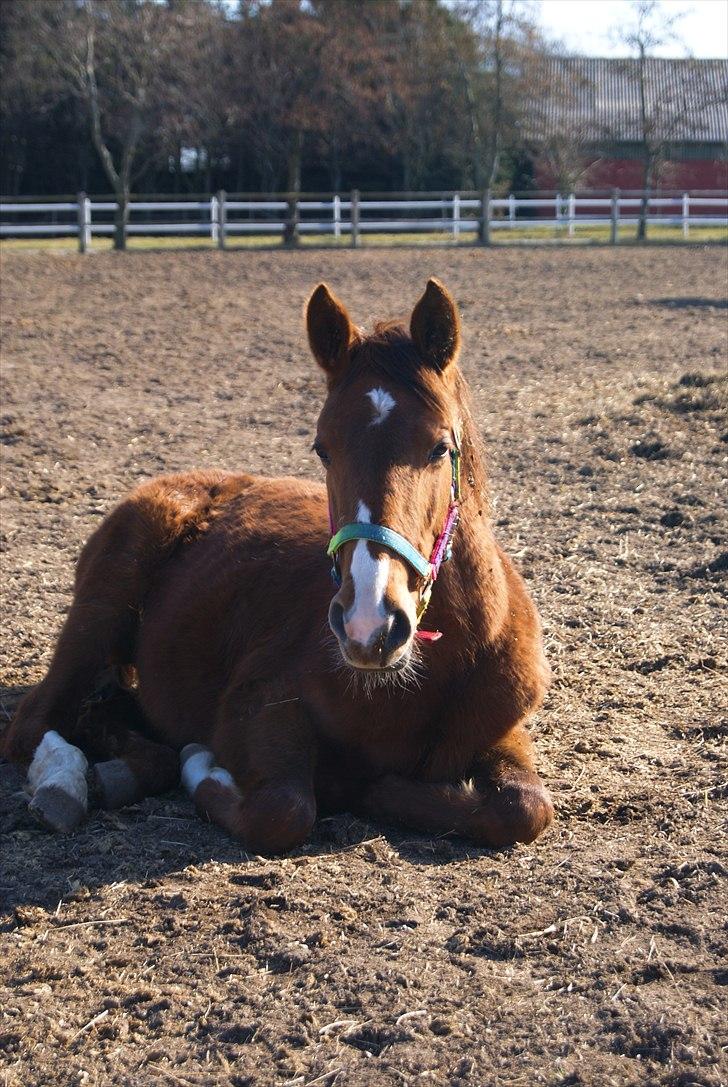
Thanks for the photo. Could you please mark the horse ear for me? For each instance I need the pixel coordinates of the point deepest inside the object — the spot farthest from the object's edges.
(330, 331)
(435, 326)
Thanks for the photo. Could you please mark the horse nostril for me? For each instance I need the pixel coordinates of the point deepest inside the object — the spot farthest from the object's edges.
(336, 620)
(375, 649)
(399, 633)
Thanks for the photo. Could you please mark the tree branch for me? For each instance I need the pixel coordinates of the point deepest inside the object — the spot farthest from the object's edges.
(92, 98)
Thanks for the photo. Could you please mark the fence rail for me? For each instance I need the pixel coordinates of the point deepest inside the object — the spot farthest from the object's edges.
(450, 215)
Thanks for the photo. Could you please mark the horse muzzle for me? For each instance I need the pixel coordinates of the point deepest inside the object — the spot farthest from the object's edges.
(386, 647)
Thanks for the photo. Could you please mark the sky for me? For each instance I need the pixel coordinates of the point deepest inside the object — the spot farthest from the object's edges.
(587, 26)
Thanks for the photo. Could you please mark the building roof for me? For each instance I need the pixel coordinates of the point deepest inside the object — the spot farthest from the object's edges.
(598, 98)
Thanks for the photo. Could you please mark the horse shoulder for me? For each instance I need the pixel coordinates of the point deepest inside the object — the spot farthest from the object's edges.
(518, 649)
(505, 674)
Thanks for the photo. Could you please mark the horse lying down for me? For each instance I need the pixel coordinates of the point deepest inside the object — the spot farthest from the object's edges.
(403, 697)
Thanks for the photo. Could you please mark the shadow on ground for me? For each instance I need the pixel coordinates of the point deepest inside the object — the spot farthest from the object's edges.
(691, 303)
(148, 841)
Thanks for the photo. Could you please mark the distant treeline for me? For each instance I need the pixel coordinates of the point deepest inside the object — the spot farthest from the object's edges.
(322, 95)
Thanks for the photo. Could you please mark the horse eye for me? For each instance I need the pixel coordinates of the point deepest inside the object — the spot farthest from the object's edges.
(321, 454)
(441, 450)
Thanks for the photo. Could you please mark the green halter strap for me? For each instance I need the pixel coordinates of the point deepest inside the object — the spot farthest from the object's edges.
(387, 537)
(393, 541)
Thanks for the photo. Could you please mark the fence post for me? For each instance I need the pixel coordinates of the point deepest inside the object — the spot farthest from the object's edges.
(511, 211)
(484, 224)
(456, 215)
(214, 220)
(221, 218)
(84, 222)
(337, 215)
(614, 232)
(686, 215)
(290, 230)
(572, 213)
(354, 215)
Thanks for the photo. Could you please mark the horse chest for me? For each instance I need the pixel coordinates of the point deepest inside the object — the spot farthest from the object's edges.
(381, 734)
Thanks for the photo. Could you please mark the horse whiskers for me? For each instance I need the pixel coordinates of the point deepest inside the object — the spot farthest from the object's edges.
(367, 681)
(405, 678)
(331, 646)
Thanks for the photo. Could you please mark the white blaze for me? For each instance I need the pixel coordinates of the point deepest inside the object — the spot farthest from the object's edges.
(382, 403)
(60, 764)
(370, 577)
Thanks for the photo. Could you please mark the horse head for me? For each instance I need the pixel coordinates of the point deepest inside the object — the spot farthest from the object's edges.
(389, 438)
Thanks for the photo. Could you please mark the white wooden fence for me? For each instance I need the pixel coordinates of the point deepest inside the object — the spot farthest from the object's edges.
(449, 215)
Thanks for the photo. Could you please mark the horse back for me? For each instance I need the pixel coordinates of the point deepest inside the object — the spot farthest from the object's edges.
(241, 597)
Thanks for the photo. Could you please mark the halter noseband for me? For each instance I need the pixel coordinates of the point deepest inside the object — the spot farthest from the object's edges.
(428, 569)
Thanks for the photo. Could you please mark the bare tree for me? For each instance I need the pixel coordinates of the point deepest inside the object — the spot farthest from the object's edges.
(560, 129)
(566, 155)
(358, 64)
(663, 108)
(500, 66)
(420, 109)
(277, 68)
(116, 58)
(306, 77)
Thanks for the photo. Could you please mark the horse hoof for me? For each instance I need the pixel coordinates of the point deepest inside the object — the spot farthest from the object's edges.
(56, 809)
(114, 784)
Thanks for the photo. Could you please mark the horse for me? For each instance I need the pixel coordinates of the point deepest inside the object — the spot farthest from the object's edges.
(204, 639)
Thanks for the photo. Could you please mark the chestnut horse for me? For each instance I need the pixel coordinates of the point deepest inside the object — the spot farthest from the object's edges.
(209, 597)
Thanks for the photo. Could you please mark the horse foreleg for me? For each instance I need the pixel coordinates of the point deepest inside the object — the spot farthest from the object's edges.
(98, 634)
(141, 768)
(57, 783)
(262, 789)
(62, 784)
(502, 802)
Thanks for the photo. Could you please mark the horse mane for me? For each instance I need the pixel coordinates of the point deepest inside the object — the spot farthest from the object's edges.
(389, 351)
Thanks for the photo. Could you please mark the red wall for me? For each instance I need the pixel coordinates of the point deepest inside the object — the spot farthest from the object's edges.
(627, 174)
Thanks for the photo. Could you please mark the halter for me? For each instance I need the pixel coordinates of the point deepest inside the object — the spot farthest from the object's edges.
(428, 569)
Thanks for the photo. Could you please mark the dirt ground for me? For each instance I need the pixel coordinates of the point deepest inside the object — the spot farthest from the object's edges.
(148, 948)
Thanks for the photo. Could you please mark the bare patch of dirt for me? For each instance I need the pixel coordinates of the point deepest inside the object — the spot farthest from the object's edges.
(148, 948)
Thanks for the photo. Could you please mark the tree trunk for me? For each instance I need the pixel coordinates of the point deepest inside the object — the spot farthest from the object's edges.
(120, 180)
(295, 155)
(647, 178)
(495, 149)
(474, 124)
(121, 217)
(494, 163)
(644, 124)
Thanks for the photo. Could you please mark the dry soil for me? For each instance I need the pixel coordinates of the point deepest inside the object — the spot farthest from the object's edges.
(148, 948)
